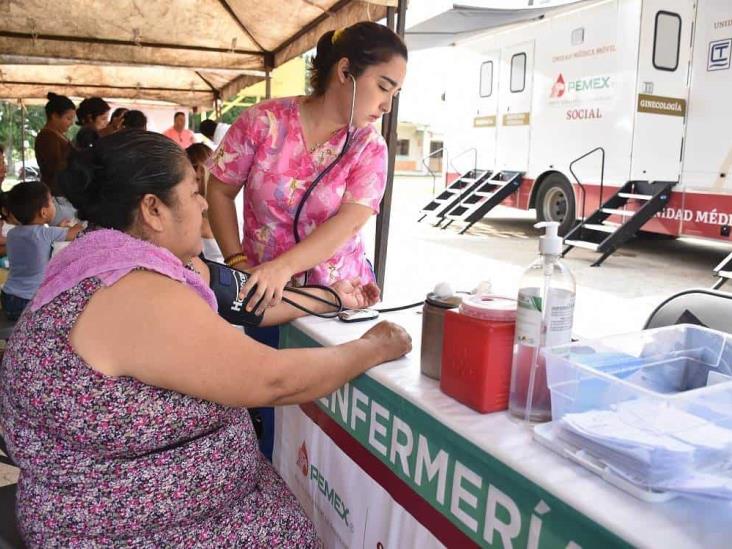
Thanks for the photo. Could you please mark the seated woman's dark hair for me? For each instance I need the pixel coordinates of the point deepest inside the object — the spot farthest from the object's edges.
(25, 200)
(363, 44)
(58, 104)
(107, 182)
(90, 108)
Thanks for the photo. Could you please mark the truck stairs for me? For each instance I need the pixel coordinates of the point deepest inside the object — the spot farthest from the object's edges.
(453, 194)
(723, 272)
(475, 204)
(598, 234)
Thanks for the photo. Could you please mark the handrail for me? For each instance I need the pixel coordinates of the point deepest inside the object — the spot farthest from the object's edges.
(602, 175)
(474, 150)
(426, 165)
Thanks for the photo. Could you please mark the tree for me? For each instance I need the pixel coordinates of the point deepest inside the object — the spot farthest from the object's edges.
(11, 135)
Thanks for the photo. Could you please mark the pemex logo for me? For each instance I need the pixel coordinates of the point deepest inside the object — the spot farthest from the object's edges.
(558, 87)
(302, 460)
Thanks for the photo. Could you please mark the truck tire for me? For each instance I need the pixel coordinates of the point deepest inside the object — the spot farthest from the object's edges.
(555, 202)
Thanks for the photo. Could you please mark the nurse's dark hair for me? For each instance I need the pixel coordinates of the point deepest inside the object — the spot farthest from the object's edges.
(363, 44)
(107, 182)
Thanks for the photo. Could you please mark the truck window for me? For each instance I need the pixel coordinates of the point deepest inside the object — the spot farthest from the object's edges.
(518, 72)
(667, 41)
(486, 79)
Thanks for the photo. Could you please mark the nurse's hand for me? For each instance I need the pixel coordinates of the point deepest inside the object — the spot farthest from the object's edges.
(270, 278)
(355, 295)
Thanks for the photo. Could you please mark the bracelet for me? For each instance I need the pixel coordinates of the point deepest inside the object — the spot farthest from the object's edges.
(232, 256)
(235, 262)
(235, 258)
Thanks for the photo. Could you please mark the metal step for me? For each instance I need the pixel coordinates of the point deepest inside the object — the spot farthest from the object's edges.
(601, 228)
(633, 219)
(478, 203)
(722, 272)
(722, 264)
(635, 196)
(613, 211)
(468, 206)
(582, 244)
(453, 194)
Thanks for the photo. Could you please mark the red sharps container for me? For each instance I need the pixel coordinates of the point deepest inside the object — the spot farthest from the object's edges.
(477, 351)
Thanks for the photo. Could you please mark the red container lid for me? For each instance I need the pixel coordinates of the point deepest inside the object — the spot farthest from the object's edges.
(489, 307)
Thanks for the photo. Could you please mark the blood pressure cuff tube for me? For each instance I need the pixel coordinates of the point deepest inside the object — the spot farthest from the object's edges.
(227, 284)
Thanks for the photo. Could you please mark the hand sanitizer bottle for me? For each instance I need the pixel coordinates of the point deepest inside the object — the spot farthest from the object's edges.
(544, 319)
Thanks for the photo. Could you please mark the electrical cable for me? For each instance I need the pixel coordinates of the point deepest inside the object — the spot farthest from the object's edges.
(400, 307)
(411, 305)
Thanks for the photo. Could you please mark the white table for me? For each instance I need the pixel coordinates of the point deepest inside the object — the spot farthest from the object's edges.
(501, 488)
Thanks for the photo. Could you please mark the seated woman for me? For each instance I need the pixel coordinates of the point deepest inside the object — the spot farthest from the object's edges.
(123, 394)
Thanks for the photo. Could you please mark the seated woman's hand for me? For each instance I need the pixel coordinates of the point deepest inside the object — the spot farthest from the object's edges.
(270, 278)
(390, 340)
(355, 295)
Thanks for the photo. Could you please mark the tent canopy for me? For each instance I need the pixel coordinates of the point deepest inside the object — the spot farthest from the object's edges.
(190, 52)
(464, 21)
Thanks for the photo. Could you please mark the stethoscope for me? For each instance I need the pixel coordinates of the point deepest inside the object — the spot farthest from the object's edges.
(326, 171)
(308, 192)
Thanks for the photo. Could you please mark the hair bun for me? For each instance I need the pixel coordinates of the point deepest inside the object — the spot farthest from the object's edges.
(51, 96)
(78, 182)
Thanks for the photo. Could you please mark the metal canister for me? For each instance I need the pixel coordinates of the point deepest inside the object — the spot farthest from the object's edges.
(433, 320)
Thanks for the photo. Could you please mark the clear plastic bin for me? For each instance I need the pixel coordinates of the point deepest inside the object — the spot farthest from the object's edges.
(684, 366)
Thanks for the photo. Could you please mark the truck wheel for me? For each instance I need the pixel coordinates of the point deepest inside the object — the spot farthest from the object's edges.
(555, 202)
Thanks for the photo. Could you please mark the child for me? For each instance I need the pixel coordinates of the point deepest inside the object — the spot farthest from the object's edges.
(29, 244)
(198, 154)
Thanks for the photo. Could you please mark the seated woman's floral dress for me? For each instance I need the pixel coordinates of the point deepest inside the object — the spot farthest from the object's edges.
(110, 461)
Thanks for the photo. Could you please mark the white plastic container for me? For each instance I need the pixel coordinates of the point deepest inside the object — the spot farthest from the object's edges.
(685, 366)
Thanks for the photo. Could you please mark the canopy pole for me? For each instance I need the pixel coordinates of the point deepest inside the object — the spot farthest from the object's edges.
(395, 20)
(268, 84)
(22, 136)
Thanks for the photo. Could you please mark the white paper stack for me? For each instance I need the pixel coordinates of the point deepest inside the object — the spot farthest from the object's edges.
(656, 446)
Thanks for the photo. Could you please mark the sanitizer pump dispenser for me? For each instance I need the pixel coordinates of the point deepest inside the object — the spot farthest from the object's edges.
(544, 319)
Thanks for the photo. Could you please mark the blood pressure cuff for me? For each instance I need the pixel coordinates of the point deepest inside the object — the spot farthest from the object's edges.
(227, 284)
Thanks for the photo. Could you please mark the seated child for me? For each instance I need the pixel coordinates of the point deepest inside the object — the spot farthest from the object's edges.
(29, 244)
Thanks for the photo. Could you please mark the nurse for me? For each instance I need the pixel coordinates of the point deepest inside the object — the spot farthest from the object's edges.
(295, 231)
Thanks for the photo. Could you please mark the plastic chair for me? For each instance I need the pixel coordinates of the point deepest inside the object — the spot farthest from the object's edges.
(709, 308)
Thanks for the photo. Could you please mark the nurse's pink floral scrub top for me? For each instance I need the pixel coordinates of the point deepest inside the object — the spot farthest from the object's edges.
(265, 151)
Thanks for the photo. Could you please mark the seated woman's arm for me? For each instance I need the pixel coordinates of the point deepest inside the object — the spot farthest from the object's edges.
(353, 295)
(162, 333)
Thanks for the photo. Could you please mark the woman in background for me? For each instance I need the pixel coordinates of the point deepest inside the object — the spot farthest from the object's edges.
(52, 150)
(92, 115)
